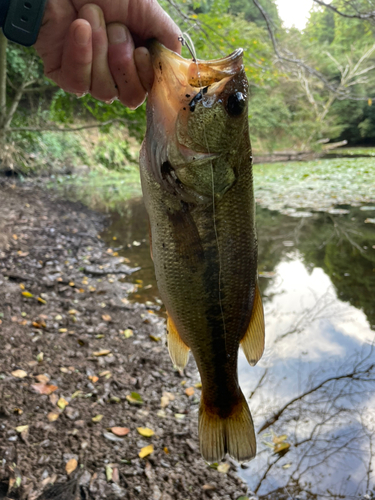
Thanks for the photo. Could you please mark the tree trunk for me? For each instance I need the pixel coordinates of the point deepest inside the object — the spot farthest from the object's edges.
(3, 82)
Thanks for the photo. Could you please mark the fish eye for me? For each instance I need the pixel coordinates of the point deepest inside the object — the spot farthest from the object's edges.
(236, 104)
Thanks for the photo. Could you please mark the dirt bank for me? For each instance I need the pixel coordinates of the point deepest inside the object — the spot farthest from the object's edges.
(68, 370)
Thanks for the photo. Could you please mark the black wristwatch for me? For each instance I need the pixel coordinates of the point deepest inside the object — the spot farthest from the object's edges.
(22, 20)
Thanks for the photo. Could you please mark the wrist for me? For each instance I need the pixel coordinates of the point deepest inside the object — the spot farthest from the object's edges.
(22, 20)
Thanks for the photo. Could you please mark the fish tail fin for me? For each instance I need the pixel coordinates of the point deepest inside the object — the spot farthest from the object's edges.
(233, 434)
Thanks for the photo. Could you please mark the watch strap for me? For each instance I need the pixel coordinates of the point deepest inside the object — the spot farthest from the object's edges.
(23, 21)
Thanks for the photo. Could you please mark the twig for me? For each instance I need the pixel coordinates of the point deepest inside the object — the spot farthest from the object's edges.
(365, 16)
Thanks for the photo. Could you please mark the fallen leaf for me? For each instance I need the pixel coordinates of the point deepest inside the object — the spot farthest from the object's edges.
(103, 374)
(164, 401)
(146, 451)
(165, 449)
(64, 370)
(40, 357)
(135, 398)
(279, 439)
(108, 472)
(93, 378)
(71, 283)
(53, 416)
(58, 317)
(42, 301)
(145, 431)
(116, 475)
(63, 330)
(22, 286)
(106, 317)
(71, 466)
(76, 394)
(18, 411)
(128, 333)
(19, 374)
(97, 419)
(103, 352)
(54, 398)
(42, 388)
(281, 447)
(22, 428)
(73, 312)
(189, 391)
(28, 295)
(120, 431)
(208, 487)
(62, 403)
(223, 468)
(44, 379)
(198, 385)
(155, 339)
(286, 466)
(180, 416)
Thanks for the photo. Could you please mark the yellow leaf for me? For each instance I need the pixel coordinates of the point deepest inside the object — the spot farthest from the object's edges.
(146, 451)
(103, 352)
(28, 295)
(128, 333)
(63, 330)
(279, 439)
(22, 428)
(71, 466)
(42, 301)
(53, 416)
(189, 391)
(93, 378)
(106, 317)
(22, 286)
(39, 358)
(108, 473)
(97, 419)
(71, 283)
(62, 403)
(19, 374)
(64, 370)
(165, 449)
(135, 398)
(76, 394)
(198, 385)
(72, 311)
(223, 468)
(154, 338)
(369, 102)
(281, 447)
(145, 431)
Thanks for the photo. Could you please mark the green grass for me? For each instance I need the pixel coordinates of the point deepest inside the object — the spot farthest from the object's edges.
(317, 185)
(100, 189)
(352, 152)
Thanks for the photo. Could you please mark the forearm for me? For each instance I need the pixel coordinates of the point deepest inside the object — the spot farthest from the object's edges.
(20, 20)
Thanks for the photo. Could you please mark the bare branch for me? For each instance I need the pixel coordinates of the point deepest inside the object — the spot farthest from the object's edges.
(364, 16)
(66, 129)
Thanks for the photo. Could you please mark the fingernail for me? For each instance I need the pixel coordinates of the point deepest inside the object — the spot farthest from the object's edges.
(81, 94)
(82, 35)
(92, 15)
(117, 33)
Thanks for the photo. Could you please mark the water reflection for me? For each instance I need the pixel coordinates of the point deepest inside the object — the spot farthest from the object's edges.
(313, 393)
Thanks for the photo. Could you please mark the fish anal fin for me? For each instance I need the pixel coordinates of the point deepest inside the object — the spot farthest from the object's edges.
(178, 350)
(233, 435)
(253, 341)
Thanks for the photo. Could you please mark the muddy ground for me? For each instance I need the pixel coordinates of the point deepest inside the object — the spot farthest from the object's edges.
(68, 370)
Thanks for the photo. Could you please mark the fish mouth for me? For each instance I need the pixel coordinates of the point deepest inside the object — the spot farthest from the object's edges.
(180, 82)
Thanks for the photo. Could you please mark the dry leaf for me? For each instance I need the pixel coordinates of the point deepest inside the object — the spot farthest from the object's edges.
(42, 301)
(145, 431)
(155, 339)
(22, 428)
(146, 451)
(108, 472)
(281, 447)
(28, 295)
(64, 370)
(106, 317)
(97, 419)
(54, 398)
(40, 357)
(43, 378)
(19, 374)
(103, 352)
(134, 398)
(120, 431)
(128, 333)
(198, 385)
(279, 439)
(62, 403)
(53, 416)
(71, 466)
(93, 378)
(189, 391)
(223, 468)
(44, 388)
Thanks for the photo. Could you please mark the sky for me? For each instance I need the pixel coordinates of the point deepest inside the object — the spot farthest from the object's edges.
(294, 12)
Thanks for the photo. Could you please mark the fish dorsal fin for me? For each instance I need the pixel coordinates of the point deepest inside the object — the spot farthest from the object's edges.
(178, 350)
(253, 342)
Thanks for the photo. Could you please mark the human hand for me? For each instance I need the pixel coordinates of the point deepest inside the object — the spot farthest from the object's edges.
(97, 46)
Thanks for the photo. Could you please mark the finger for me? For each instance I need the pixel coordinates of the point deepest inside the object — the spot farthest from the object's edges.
(103, 86)
(75, 71)
(122, 66)
(144, 67)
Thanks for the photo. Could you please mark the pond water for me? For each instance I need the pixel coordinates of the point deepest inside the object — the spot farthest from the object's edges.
(312, 395)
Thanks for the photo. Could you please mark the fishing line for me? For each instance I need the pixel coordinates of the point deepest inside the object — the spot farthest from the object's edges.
(187, 42)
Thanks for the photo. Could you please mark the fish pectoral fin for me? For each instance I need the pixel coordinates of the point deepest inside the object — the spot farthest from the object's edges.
(233, 435)
(178, 350)
(253, 342)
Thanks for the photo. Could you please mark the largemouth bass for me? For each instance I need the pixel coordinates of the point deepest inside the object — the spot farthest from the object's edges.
(196, 174)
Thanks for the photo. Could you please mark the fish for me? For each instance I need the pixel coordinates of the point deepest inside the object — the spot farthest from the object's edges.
(197, 182)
